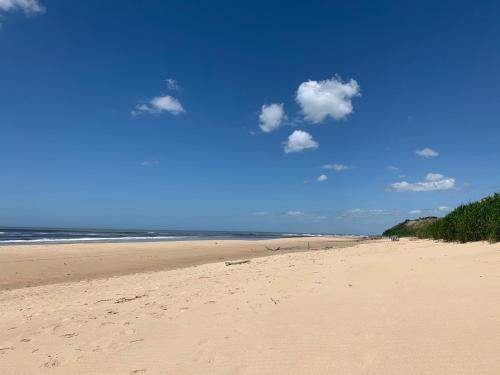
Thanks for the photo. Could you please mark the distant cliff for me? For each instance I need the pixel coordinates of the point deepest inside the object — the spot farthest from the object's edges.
(409, 228)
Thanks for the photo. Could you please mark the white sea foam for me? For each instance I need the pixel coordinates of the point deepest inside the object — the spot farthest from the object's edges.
(95, 239)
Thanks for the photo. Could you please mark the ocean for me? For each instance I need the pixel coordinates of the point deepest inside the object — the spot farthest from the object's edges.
(12, 236)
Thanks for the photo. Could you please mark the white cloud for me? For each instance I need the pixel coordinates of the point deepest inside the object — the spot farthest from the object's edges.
(271, 117)
(319, 218)
(300, 140)
(427, 153)
(361, 213)
(432, 182)
(148, 163)
(322, 178)
(392, 168)
(430, 211)
(330, 98)
(433, 176)
(314, 217)
(158, 105)
(354, 211)
(27, 6)
(335, 167)
(173, 85)
(294, 215)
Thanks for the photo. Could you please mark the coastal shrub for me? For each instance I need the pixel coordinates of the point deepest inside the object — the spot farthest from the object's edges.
(477, 221)
(494, 235)
(401, 230)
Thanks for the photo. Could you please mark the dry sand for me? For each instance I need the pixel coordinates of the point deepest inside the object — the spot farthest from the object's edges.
(408, 307)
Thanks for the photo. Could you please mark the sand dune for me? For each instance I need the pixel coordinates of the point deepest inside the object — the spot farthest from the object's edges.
(408, 307)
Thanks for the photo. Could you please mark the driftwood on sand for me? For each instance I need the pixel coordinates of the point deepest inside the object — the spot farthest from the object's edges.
(237, 262)
(271, 249)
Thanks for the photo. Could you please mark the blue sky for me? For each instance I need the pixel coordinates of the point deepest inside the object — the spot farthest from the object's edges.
(323, 116)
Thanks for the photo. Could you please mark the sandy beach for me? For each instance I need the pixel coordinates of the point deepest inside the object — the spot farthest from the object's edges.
(31, 265)
(378, 307)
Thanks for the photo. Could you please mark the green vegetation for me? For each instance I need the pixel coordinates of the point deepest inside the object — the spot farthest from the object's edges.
(409, 228)
(477, 221)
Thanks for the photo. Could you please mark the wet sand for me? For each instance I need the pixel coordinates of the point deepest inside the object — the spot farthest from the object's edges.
(31, 265)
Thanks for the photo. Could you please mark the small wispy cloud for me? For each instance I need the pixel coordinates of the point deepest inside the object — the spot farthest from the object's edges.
(432, 182)
(319, 218)
(336, 167)
(158, 105)
(322, 178)
(307, 216)
(161, 103)
(149, 163)
(361, 213)
(299, 141)
(430, 211)
(427, 153)
(26, 6)
(295, 215)
(271, 117)
(173, 85)
(329, 98)
(392, 168)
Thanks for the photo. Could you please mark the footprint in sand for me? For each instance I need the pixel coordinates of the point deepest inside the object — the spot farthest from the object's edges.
(157, 315)
(55, 328)
(106, 345)
(51, 363)
(203, 345)
(128, 332)
(70, 335)
(203, 342)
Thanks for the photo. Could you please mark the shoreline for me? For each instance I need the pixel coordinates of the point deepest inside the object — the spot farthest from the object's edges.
(126, 240)
(41, 264)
